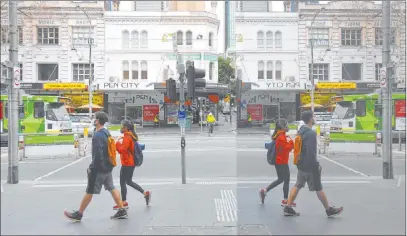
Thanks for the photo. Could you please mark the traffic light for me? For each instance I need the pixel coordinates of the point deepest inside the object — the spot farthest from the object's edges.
(171, 89)
(194, 79)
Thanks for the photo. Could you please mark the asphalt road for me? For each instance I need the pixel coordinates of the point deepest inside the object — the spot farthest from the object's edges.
(224, 175)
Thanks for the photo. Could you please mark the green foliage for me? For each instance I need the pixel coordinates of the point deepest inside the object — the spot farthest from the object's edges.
(226, 72)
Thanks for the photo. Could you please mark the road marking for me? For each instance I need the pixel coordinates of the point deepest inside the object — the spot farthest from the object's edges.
(84, 184)
(226, 206)
(399, 182)
(346, 167)
(37, 162)
(399, 152)
(61, 168)
(269, 181)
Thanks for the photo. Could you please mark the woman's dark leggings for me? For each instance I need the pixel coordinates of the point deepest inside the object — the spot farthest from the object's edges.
(283, 174)
(126, 176)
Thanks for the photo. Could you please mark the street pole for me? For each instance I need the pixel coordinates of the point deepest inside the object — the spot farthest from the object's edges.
(13, 90)
(181, 72)
(387, 94)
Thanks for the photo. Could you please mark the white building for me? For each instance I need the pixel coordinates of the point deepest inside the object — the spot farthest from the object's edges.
(54, 40)
(267, 58)
(347, 42)
(140, 55)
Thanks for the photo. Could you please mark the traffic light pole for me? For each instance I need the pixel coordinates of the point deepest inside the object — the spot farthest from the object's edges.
(183, 143)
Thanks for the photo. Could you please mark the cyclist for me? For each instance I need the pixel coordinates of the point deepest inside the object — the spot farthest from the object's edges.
(210, 119)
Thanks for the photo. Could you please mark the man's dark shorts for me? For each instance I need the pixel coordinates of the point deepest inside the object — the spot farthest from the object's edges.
(313, 179)
(98, 179)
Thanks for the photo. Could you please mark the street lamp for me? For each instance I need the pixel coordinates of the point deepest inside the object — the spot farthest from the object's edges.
(312, 61)
(90, 87)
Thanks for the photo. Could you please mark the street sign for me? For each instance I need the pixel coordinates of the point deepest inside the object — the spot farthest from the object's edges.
(16, 77)
(383, 76)
(181, 115)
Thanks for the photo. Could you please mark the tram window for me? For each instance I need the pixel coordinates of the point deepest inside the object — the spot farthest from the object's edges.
(39, 111)
(361, 108)
(21, 113)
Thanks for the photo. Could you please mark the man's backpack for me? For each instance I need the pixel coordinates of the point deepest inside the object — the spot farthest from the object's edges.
(138, 154)
(297, 148)
(111, 147)
(271, 153)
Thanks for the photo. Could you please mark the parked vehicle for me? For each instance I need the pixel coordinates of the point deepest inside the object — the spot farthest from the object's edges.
(80, 123)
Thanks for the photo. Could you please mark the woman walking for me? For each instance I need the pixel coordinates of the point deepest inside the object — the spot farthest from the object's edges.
(284, 145)
(125, 147)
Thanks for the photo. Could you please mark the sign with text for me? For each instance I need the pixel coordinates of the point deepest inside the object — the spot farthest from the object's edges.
(83, 99)
(16, 77)
(279, 86)
(149, 112)
(123, 86)
(65, 86)
(47, 22)
(400, 114)
(256, 111)
(336, 85)
(319, 98)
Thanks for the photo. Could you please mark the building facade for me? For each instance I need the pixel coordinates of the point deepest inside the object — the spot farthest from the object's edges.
(140, 54)
(267, 59)
(347, 42)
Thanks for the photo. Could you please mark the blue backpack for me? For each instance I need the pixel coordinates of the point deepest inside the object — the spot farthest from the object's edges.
(271, 153)
(138, 154)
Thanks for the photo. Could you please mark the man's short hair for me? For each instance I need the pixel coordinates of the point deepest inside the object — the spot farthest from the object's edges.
(102, 117)
(306, 116)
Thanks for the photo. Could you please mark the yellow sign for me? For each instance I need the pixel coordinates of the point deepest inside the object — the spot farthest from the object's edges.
(336, 85)
(319, 98)
(83, 99)
(65, 86)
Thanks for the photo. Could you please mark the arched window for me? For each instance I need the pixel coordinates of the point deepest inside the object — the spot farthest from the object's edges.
(269, 39)
(210, 39)
(126, 72)
(144, 39)
(278, 39)
(125, 39)
(260, 39)
(278, 69)
(189, 37)
(134, 39)
(260, 70)
(180, 38)
(134, 70)
(144, 69)
(269, 70)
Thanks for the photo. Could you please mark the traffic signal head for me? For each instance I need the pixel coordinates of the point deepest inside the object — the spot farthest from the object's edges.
(171, 89)
(194, 79)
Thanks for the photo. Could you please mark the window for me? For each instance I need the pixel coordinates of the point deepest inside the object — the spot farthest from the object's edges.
(48, 72)
(4, 72)
(379, 36)
(269, 39)
(269, 70)
(47, 35)
(180, 38)
(126, 71)
(80, 72)
(134, 70)
(351, 37)
(4, 34)
(144, 39)
(125, 39)
(260, 39)
(260, 70)
(144, 74)
(318, 37)
(81, 35)
(134, 39)
(189, 38)
(210, 39)
(378, 66)
(211, 64)
(352, 71)
(39, 111)
(361, 108)
(321, 72)
(278, 39)
(278, 70)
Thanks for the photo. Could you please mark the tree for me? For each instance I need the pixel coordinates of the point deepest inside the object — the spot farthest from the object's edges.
(226, 73)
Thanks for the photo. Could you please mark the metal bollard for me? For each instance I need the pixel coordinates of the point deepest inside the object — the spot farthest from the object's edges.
(81, 147)
(400, 141)
(378, 144)
(21, 148)
(327, 142)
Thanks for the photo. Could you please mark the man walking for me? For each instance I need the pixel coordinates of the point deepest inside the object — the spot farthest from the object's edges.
(309, 169)
(99, 172)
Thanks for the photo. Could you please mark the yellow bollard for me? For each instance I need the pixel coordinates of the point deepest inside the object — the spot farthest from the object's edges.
(318, 130)
(85, 132)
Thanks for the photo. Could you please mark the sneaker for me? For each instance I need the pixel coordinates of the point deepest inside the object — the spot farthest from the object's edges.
(284, 203)
(120, 214)
(147, 196)
(125, 206)
(289, 211)
(333, 211)
(262, 194)
(75, 216)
